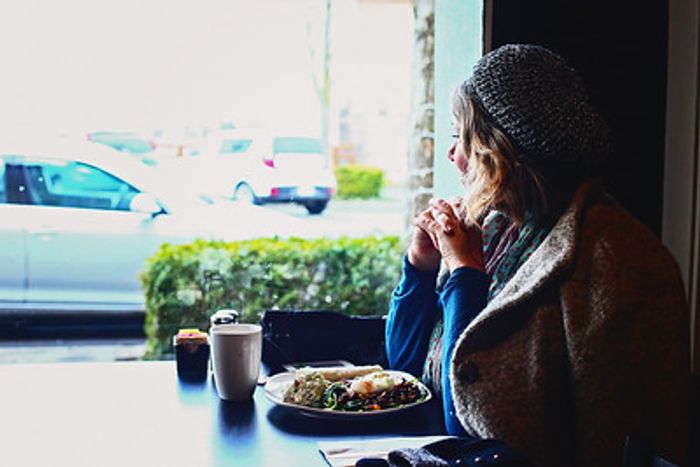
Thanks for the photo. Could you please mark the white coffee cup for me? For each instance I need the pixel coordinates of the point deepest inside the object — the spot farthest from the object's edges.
(235, 352)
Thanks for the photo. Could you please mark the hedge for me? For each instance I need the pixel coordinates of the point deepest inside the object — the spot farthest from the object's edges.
(185, 284)
(356, 181)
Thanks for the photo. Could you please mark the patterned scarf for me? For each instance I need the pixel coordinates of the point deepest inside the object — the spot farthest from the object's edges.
(506, 247)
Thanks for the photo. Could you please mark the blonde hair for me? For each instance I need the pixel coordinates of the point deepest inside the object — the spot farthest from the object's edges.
(497, 176)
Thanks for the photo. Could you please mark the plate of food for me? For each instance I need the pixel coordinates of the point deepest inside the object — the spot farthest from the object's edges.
(346, 392)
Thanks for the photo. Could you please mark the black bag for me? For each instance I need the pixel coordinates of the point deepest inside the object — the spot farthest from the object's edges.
(291, 336)
(459, 451)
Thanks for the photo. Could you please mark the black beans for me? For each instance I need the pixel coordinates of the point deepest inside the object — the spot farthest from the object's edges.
(401, 394)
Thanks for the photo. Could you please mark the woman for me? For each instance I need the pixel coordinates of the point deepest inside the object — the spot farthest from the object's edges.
(559, 323)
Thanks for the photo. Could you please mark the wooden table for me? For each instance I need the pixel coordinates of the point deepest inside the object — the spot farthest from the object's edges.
(140, 414)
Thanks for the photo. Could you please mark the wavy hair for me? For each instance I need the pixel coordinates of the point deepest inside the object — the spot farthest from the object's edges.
(498, 176)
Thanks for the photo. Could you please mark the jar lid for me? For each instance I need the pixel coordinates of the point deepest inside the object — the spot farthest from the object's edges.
(190, 336)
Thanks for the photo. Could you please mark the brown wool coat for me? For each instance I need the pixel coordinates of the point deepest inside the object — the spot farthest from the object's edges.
(587, 342)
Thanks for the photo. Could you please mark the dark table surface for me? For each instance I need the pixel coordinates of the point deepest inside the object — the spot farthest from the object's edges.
(140, 414)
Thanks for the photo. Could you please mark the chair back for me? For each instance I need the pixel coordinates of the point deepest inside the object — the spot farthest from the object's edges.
(640, 453)
(293, 336)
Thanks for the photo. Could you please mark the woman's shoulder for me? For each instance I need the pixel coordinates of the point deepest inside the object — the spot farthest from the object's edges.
(608, 220)
(607, 231)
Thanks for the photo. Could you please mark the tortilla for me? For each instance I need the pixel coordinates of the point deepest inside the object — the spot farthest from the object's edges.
(338, 373)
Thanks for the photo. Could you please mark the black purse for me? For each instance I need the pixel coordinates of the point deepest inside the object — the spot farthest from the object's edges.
(465, 451)
(291, 336)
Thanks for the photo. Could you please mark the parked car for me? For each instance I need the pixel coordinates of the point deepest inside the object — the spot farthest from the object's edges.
(77, 225)
(261, 168)
(127, 142)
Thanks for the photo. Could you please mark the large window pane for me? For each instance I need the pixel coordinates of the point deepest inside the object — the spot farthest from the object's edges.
(132, 124)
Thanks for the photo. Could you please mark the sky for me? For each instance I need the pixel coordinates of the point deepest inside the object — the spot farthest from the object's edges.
(75, 65)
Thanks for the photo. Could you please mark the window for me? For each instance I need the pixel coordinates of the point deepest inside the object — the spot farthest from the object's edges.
(144, 102)
(235, 146)
(300, 145)
(77, 185)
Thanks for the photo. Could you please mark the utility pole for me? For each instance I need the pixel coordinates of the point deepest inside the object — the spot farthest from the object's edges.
(322, 84)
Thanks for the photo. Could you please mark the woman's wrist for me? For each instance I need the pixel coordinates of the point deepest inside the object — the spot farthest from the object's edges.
(423, 262)
(456, 263)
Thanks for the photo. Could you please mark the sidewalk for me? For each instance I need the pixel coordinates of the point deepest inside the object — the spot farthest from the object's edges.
(69, 350)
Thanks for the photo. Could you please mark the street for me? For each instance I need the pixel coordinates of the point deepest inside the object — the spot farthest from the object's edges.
(69, 350)
(382, 216)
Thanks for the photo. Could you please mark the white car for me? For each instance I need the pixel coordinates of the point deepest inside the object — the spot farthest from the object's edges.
(78, 221)
(262, 168)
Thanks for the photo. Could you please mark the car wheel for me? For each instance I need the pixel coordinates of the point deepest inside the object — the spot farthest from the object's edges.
(245, 193)
(315, 207)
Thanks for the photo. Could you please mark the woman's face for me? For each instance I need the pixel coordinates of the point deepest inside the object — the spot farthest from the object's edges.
(457, 154)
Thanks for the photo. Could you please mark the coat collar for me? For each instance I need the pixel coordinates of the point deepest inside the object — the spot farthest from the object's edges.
(554, 256)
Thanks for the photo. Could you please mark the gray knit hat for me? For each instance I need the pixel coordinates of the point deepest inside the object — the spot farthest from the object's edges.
(541, 103)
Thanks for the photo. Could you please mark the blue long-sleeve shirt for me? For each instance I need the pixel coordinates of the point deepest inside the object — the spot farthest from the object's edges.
(413, 311)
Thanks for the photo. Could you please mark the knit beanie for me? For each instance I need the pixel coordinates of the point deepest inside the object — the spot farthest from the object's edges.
(541, 104)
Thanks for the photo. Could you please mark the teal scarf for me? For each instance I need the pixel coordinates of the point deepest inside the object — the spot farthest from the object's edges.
(507, 246)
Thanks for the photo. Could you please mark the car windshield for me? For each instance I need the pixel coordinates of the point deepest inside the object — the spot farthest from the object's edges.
(125, 142)
(297, 145)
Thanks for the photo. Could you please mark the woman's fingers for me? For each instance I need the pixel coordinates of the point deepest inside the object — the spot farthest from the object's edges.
(444, 214)
(445, 222)
(440, 204)
(423, 253)
(427, 222)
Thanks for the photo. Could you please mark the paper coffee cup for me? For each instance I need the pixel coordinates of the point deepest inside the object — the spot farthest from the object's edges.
(235, 352)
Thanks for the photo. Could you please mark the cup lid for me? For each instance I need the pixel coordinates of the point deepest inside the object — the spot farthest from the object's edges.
(237, 329)
(226, 316)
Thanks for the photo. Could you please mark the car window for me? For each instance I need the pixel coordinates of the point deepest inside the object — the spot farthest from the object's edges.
(77, 185)
(298, 145)
(230, 146)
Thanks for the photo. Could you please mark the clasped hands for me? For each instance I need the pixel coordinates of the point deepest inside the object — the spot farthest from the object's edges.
(441, 235)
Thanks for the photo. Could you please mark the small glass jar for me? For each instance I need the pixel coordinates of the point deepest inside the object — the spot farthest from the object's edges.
(192, 354)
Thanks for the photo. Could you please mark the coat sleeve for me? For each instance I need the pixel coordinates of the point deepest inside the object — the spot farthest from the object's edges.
(412, 313)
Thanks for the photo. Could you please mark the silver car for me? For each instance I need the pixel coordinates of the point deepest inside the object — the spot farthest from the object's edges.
(78, 220)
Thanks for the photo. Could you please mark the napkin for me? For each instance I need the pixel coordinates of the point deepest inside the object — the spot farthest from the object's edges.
(346, 453)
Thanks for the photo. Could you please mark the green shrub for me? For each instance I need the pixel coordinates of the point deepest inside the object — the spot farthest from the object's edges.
(185, 284)
(355, 181)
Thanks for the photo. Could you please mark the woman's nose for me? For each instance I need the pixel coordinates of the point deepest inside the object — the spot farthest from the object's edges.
(451, 152)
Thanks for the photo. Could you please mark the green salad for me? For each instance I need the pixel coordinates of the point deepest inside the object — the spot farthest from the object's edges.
(375, 391)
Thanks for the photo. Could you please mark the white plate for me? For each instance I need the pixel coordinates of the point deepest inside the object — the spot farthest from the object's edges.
(276, 385)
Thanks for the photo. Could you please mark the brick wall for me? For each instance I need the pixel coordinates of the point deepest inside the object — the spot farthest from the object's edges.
(421, 149)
